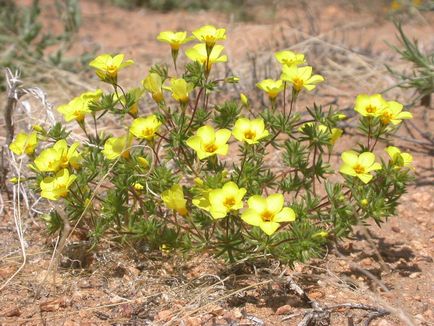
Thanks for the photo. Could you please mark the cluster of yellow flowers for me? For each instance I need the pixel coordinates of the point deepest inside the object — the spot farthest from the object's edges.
(292, 73)
(388, 112)
(59, 161)
(266, 213)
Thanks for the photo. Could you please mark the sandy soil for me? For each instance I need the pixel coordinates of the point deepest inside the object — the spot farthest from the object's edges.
(391, 267)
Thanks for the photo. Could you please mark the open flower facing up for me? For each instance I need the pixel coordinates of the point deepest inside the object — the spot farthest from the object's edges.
(219, 202)
(208, 142)
(24, 143)
(117, 146)
(174, 39)
(398, 158)
(153, 83)
(300, 77)
(180, 90)
(359, 165)
(78, 107)
(392, 113)
(174, 199)
(267, 213)
(209, 35)
(250, 131)
(198, 53)
(145, 128)
(370, 105)
(271, 87)
(107, 67)
(58, 157)
(290, 58)
(57, 187)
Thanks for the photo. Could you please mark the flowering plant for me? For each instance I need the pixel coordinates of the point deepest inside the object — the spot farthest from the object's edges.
(172, 181)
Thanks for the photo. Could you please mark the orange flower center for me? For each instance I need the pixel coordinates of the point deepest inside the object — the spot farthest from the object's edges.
(371, 109)
(148, 132)
(210, 148)
(267, 216)
(359, 169)
(229, 202)
(112, 70)
(386, 117)
(298, 84)
(249, 134)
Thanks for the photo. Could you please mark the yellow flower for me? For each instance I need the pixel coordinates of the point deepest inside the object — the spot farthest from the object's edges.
(174, 199)
(271, 87)
(208, 142)
(57, 187)
(335, 133)
(210, 35)
(398, 158)
(107, 67)
(117, 146)
(392, 113)
(78, 107)
(320, 234)
(58, 157)
(267, 213)
(300, 77)
(370, 105)
(364, 202)
(134, 96)
(180, 90)
(24, 143)
(290, 58)
(220, 202)
(359, 165)
(175, 39)
(145, 128)
(153, 83)
(244, 99)
(143, 162)
(198, 53)
(250, 131)
(137, 186)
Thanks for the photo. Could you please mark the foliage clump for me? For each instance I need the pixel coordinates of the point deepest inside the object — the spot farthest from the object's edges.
(172, 179)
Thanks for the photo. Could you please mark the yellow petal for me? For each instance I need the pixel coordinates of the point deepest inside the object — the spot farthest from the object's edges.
(251, 216)
(275, 203)
(285, 215)
(269, 227)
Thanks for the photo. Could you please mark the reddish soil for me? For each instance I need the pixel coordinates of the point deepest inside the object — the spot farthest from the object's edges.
(390, 267)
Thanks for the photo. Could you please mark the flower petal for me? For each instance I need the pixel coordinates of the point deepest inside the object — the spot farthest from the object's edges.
(275, 203)
(285, 215)
(251, 216)
(269, 227)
